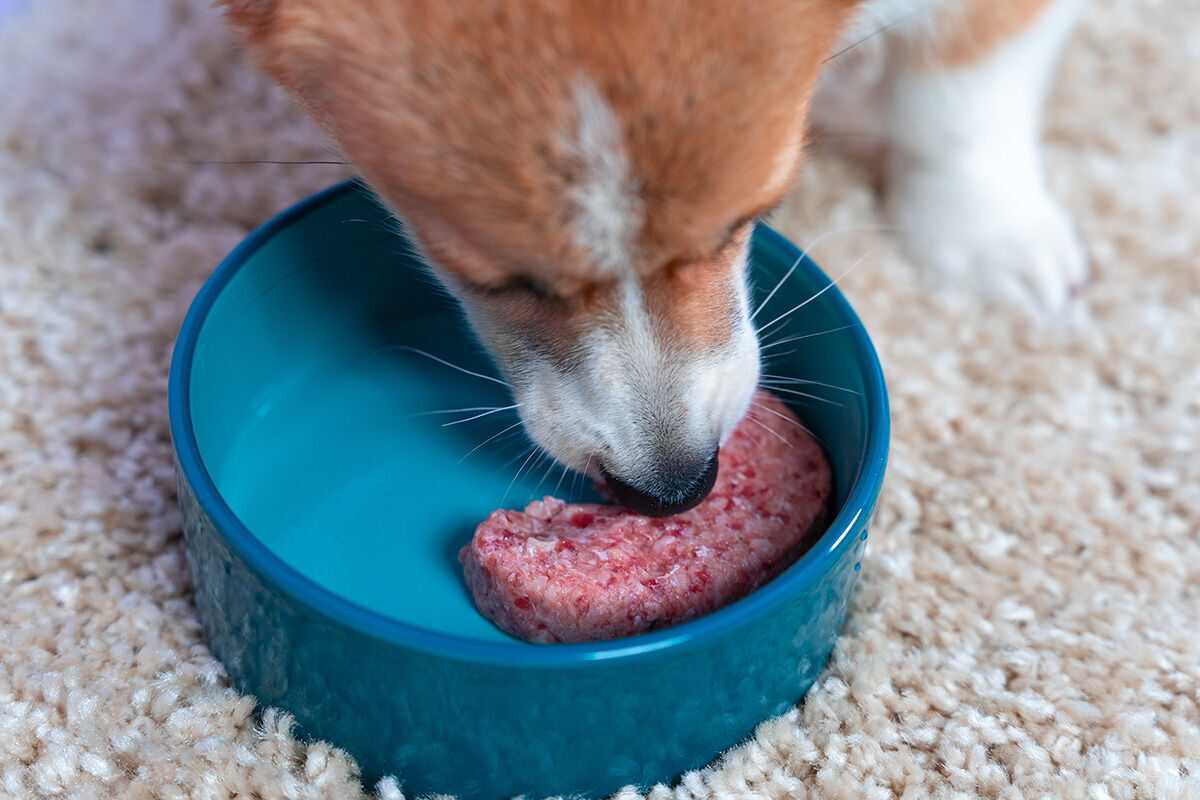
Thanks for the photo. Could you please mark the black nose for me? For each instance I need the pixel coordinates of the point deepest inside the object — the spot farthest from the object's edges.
(675, 489)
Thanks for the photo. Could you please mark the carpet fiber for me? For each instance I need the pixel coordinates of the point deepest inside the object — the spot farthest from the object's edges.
(1028, 621)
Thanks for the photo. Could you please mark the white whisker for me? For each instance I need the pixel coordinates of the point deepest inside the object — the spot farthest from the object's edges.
(769, 345)
(516, 424)
(785, 379)
(775, 413)
(443, 362)
(546, 474)
(767, 429)
(479, 416)
(537, 463)
(451, 411)
(560, 480)
(828, 286)
(808, 249)
(788, 419)
(818, 398)
(521, 451)
(786, 275)
(532, 452)
(584, 474)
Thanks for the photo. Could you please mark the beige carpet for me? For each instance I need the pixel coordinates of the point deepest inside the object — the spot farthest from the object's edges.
(1028, 624)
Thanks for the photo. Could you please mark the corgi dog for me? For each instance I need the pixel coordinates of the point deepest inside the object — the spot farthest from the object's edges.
(583, 175)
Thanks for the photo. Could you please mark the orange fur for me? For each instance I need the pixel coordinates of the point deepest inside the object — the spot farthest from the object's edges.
(693, 303)
(583, 175)
(455, 112)
(689, 304)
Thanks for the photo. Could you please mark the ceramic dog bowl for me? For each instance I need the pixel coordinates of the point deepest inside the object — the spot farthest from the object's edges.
(324, 507)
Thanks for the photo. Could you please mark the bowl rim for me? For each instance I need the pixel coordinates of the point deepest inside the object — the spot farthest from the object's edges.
(861, 499)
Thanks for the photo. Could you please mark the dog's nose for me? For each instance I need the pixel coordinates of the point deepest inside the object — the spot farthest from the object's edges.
(676, 487)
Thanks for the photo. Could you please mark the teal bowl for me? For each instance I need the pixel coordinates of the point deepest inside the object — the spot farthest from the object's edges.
(324, 505)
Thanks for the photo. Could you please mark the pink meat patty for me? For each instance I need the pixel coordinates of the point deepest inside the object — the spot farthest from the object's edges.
(582, 572)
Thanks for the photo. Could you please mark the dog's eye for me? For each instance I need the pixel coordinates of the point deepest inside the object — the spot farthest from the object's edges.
(524, 283)
(733, 231)
(519, 285)
(749, 219)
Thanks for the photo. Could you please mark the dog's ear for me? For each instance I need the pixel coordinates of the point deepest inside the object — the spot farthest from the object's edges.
(283, 36)
(249, 15)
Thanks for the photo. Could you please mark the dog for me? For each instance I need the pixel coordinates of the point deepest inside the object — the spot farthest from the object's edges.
(583, 176)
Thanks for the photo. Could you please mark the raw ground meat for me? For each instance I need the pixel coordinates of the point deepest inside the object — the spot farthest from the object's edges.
(562, 572)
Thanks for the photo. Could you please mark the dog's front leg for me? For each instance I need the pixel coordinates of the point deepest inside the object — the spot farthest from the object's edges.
(963, 108)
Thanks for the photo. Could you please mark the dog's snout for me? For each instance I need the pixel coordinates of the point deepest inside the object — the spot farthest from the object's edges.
(675, 485)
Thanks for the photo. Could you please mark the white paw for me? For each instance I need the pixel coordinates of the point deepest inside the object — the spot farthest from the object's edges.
(1007, 243)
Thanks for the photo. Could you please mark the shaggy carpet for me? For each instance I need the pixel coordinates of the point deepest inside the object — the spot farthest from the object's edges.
(1028, 621)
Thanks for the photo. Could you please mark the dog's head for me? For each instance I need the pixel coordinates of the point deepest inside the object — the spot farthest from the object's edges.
(584, 177)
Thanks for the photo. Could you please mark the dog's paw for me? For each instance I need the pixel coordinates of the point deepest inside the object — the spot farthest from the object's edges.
(1007, 244)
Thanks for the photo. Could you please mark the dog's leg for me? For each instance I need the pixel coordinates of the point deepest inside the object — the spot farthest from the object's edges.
(963, 109)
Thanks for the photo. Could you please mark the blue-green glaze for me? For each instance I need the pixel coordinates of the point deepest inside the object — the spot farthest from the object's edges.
(267, 419)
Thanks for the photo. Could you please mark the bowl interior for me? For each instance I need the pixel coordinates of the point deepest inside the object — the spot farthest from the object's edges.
(323, 427)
